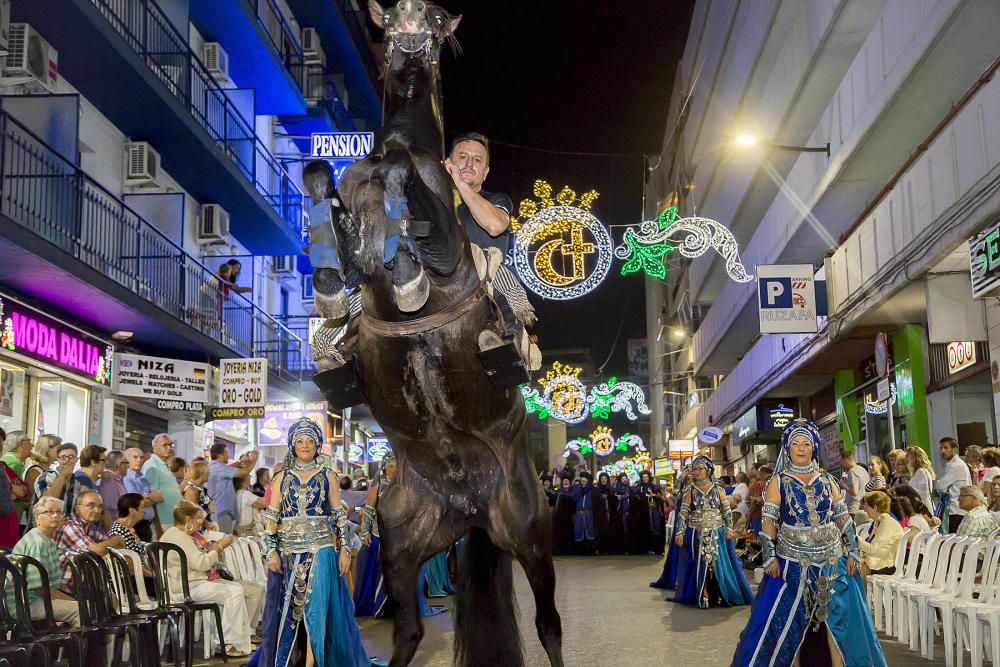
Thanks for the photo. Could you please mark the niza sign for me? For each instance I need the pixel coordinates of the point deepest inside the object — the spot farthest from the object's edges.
(342, 145)
(183, 383)
(786, 298)
(984, 260)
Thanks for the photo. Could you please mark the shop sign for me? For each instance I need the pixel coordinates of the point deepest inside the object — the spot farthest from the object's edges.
(961, 355)
(984, 262)
(378, 448)
(710, 435)
(242, 383)
(662, 467)
(342, 145)
(179, 406)
(786, 298)
(155, 378)
(744, 427)
(781, 416)
(33, 334)
(213, 413)
(279, 416)
(680, 449)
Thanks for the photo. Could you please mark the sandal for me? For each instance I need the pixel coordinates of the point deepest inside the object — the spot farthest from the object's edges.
(232, 652)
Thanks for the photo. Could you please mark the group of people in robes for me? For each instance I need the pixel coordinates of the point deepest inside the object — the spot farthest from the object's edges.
(810, 608)
(607, 517)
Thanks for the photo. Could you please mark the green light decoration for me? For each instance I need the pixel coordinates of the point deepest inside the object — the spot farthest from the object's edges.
(644, 250)
(604, 443)
(566, 398)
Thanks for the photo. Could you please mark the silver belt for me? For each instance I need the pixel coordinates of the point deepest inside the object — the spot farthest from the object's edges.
(809, 544)
(305, 534)
(706, 520)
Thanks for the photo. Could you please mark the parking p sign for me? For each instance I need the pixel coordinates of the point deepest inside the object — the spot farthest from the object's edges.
(786, 298)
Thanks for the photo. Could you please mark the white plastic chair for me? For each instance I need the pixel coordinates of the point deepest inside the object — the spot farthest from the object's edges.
(912, 597)
(918, 573)
(875, 592)
(257, 560)
(881, 583)
(965, 559)
(970, 617)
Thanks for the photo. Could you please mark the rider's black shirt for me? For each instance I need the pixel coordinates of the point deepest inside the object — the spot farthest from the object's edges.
(480, 236)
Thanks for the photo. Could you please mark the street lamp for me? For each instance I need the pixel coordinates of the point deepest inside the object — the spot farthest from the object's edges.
(750, 140)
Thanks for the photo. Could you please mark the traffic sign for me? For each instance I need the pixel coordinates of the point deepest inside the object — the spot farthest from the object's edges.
(882, 355)
(786, 298)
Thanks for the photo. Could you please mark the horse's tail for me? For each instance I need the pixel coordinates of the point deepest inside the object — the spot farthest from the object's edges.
(486, 631)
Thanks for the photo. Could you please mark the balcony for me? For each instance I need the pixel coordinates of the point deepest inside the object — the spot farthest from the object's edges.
(162, 93)
(72, 244)
(340, 25)
(264, 51)
(327, 111)
(301, 361)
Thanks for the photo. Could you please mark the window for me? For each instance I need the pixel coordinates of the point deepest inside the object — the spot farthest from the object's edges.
(61, 408)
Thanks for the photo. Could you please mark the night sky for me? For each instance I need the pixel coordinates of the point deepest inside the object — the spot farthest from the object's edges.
(570, 76)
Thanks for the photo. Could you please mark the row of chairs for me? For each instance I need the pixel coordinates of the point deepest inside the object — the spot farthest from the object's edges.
(947, 585)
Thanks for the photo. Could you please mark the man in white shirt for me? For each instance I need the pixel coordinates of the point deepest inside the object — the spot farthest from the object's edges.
(853, 480)
(741, 493)
(954, 476)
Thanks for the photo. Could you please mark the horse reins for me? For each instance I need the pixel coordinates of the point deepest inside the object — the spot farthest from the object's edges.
(427, 323)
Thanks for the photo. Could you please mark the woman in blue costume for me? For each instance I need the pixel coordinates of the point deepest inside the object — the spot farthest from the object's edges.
(438, 580)
(811, 607)
(668, 578)
(370, 594)
(709, 573)
(308, 615)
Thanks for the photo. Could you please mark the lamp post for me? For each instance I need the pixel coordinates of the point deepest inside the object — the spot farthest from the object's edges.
(750, 140)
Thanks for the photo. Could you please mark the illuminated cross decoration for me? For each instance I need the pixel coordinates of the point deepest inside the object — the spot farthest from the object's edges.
(643, 250)
(577, 250)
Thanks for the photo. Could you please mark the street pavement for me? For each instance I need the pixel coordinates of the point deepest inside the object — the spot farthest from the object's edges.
(610, 616)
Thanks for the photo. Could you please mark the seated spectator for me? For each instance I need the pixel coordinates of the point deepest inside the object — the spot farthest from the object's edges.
(92, 461)
(263, 481)
(130, 510)
(11, 489)
(878, 552)
(38, 543)
(977, 522)
(111, 484)
(42, 456)
(17, 448)
(82, 530)
(60, 481)
(249, 507)
(205, 583)
(136, 482)
(991, 463)
(220, 484)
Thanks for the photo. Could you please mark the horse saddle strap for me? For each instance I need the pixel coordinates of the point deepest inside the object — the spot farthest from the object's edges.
(428, 323)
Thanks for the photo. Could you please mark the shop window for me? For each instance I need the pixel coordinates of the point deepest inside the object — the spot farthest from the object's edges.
(61, 408)
(12, 398)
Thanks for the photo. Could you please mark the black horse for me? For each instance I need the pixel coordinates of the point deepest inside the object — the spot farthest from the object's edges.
(464, 466)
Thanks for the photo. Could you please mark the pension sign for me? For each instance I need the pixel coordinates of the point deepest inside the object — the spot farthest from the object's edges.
(342, 145)
(242, 383)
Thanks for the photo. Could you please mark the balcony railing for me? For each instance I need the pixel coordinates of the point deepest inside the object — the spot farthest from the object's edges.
(301, 361)
(356, 22)
(283, 39)
(145, 28)
(47, 194)
(322, 91)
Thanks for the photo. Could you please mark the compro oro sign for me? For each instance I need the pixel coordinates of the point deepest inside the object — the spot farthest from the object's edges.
(181, 382)
(961, 355)
(786, 298)
(242, 383)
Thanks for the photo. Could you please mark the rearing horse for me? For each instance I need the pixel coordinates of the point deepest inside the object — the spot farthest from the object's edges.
(464, 466)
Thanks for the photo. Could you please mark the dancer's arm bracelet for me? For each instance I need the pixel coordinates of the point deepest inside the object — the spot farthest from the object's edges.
(273, 514)
(272, 541)
(368, 524)
(339, 518)
(772, 511)
(766, 548)
(839, 509)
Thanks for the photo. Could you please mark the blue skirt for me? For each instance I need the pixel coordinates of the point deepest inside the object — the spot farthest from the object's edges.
(668, 579)
(438, 581)
(328, 617)
(370, 594)
(692, 570)
(778, 620)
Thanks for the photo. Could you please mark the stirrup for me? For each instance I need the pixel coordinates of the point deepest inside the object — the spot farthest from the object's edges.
(340, 386)
(502, 360)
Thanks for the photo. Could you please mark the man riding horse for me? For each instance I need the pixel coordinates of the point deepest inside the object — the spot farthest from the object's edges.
(464, 461)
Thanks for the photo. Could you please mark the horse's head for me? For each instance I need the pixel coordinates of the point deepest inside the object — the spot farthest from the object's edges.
(414, 31)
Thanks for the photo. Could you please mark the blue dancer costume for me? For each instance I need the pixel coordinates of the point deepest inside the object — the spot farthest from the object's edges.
(811, 535)
(668, 578)
(709, 573)
(308, 600)
(370, 594)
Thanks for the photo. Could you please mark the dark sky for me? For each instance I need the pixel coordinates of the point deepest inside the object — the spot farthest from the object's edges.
(571, 76)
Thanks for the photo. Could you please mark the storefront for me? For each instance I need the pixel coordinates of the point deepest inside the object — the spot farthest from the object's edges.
(960, 392)
(754, 437)
(54, 376)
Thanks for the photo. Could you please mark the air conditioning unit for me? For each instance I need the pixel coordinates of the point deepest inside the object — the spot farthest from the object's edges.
(216, 61)
(312, 50)
(282, 265)
(4, 27)
(142, 165)
(214, 224)
(30, 59)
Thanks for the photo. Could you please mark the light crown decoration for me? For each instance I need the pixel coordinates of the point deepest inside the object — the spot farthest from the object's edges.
(566, 398)
(554, 237)
(643, 250)
(604, 443)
